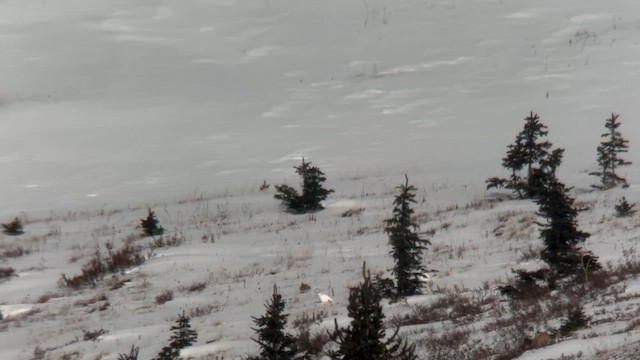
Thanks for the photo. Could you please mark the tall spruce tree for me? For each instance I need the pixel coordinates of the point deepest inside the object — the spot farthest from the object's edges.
(530, 154)
(313, 192)
(274, 343)
(407, 246)
(182, 337)
(560, 234)
(609, 156)
(365, 337)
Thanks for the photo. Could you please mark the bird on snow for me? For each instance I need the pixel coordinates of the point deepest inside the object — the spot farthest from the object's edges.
(425, 278)
(325, 299)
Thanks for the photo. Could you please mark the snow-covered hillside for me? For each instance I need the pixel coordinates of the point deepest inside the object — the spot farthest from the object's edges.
(110, 107)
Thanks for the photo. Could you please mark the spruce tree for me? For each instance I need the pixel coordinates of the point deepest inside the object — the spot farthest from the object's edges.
(182, 337)
(533, 156)
(623, 208)
(364, 338)
(608, 156)
(313, 192)
(407, 246)
(13, 228)
(560, 233)
(274, 343)
(151, 225)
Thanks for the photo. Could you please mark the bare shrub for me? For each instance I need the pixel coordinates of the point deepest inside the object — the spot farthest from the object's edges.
(13, 251)
(116, 283)
(174, 240)
(304, 288)
(204, 310)
(454, 307)
(46, 297)
(352, 212)
(93, 335)
(92, 300)
(312, 343)
(123, 258)
(116, 261)
(164, 296)
(196, 286)
(6, 272)
(70, 355)
(305, 319)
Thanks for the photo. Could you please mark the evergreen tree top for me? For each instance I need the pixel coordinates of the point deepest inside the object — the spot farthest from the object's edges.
(365, 337)
(528, 138)
(608, 155)
(274, 343)
(402, 210)
(183, 335)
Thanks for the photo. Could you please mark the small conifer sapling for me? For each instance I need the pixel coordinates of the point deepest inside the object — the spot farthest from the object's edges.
(182, 337)
(150, 225)
(623, 208)
(576, 320)
(13, 228)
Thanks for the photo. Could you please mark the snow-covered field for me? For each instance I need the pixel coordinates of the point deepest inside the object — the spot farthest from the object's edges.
(110, 107)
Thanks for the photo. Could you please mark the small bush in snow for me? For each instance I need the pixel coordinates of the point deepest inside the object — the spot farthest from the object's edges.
(196, 286)
(167, 241)
(117, 261)
(164, 297)
(6, 272)
(304, 288)
(93, 335)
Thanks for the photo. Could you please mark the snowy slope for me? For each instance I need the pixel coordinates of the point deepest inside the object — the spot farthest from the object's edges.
(109, 107)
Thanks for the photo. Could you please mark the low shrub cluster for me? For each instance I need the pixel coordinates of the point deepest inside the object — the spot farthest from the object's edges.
(116, 261)
(6, 272)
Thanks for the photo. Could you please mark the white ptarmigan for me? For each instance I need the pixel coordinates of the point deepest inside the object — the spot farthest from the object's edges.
(425, 278)
(325, 299)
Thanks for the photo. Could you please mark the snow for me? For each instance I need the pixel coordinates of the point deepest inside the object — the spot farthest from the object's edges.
(110, 107)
